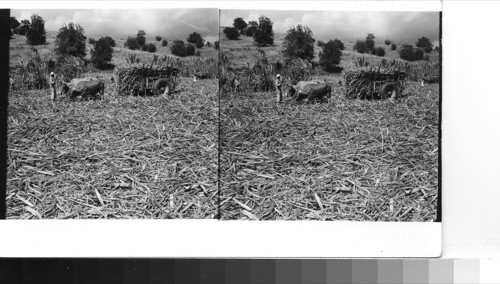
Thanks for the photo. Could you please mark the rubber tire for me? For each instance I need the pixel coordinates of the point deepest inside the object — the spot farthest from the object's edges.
(389, 87)
(160, 85)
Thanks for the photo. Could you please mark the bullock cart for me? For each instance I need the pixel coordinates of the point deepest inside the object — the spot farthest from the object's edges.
(146, 79)
(374, 83)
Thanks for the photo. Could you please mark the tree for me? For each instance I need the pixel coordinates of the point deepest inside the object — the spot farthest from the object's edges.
(35, 35)
(70, 40)
(164, 42)
(178, 48)
(158, 38)
(406, 52)
(330, 56)
(418, 54)
(425, 44)
(264, 34)
(141, 38)
(370, 41)
(251, 28)
(102, 53)
(394, 46)
(131, 43)
(339, 44)
(91, 40)
(379, 51)
(360, 46)
(299, 42)
(110, 40)
(239, 24)
(216, 45)
(196, 39)
(387, 42)
(321, 43)
(23, 27)
(190, 49)
(231, 33)
(209, 44)
(14, 25)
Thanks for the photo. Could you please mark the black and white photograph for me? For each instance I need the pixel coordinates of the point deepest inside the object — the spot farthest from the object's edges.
(330, 115)
(113, 114)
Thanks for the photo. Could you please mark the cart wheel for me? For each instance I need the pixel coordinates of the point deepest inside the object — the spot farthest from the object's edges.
(389, 90)
(162, 87)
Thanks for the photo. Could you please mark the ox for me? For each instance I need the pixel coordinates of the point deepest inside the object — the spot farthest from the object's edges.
(83, 86)
(429, 80)
(311, 90)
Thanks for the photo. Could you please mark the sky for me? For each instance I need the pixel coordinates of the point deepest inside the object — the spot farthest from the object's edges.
(399, 27)
(168, 23)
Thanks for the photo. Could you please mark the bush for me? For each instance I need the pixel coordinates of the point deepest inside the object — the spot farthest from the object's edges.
(231, 33)
(264, 34)
(387, 42)
(190, 49)
(35, 34)
(131, 43)
(321, 43)
(251, 28)
(418, 54)
(23, 27)
(102, 53)
(92, 40)
(158, 38)
(141, 38)
(406, 52)
(196, 39)
(380, 51)
(393, 46)
(216, 45)
(178, 48)
(299, 42)
(370, 41)
(209, 44)
(330, 56)
(360, 46)
(198, 53)
(14, 25)
(425, 44)
(149, 47)
(239, 24)
(70, 40)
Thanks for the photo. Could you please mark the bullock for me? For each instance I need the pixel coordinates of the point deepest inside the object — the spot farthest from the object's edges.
(310, 90)
(429, 80)
(84, 87)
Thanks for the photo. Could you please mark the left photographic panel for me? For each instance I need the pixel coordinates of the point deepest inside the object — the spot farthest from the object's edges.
(112, 114)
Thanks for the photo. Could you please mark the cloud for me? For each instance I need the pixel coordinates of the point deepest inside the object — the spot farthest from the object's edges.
(400, 27)
(168, 23)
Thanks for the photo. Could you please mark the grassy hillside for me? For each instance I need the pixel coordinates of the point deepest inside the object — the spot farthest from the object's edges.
(19, 50)
(243, 50)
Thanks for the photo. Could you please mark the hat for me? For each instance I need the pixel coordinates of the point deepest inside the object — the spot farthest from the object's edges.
(52, 74)
(278, 76)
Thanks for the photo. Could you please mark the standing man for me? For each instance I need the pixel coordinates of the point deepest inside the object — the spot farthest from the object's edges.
(52, 82)
(277, 83)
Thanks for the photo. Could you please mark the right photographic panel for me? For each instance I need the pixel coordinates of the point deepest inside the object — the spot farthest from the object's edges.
(330, 115)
